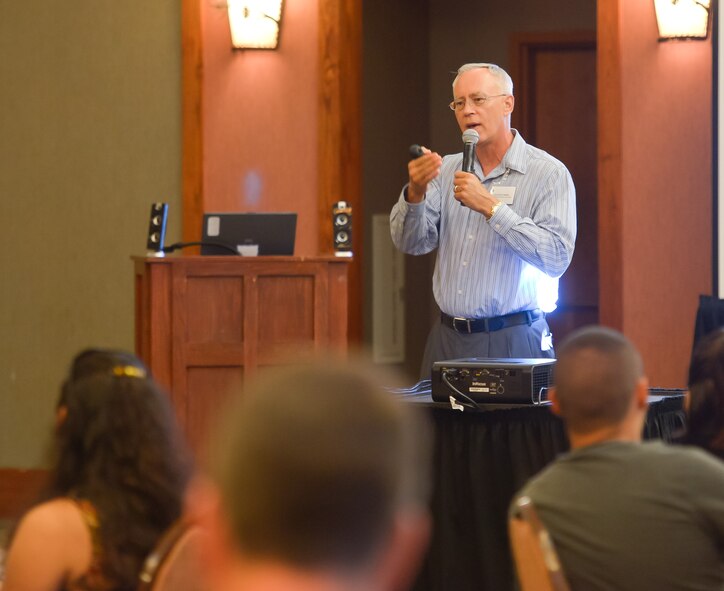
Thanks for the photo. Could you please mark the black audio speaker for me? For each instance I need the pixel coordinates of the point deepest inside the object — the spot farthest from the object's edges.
(342, 229)
(157, 229)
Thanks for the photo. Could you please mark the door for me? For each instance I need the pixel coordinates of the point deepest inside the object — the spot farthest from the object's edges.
(555, 88)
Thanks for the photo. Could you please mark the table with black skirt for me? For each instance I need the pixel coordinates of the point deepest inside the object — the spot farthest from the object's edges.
(481, 459)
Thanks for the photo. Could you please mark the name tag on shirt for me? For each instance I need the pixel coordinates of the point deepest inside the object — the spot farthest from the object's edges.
(505, 194)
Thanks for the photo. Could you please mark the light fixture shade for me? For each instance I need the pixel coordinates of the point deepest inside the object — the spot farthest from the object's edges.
(255, 23)
(682, 19)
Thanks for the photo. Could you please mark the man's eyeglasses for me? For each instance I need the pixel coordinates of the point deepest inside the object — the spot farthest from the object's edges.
(478, 101)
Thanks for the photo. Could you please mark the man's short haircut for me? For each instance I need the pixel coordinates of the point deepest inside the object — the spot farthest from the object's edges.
(315, 463)
(595, 378)
(504, 80)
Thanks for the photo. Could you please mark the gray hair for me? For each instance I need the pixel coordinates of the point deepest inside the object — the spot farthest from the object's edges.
(504, 79)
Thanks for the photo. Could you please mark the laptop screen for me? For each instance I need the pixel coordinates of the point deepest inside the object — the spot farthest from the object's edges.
(249, 234)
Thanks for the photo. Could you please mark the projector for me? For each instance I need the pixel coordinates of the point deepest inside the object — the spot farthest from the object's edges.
(485, 380)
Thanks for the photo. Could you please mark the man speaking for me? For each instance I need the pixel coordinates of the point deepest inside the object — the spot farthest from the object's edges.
(504, 231)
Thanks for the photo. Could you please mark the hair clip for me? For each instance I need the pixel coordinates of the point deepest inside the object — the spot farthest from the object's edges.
(129, 371)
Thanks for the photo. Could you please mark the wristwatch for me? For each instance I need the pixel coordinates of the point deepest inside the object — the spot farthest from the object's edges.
(495, 208)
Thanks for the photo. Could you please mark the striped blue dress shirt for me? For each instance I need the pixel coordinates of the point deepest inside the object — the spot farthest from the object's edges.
(505, 265)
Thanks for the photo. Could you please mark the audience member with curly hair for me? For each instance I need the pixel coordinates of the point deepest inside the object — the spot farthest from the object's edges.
(117, 483)
(706, 395)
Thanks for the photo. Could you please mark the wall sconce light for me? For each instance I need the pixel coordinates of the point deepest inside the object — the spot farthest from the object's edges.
(682, 19)
(255, 23)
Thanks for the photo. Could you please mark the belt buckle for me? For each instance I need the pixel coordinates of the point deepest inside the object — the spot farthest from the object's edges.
(465, 320)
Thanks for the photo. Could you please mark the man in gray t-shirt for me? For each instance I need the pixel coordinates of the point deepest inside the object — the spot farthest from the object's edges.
(625, 514)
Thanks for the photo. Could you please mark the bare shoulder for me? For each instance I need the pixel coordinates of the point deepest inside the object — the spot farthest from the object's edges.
(59, 518)
(56, 531)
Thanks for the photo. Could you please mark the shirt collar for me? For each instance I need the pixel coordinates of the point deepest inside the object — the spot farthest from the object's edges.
(515, 157)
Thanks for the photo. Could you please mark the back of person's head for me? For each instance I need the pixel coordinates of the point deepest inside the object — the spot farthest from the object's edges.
(118, 446)
(596, 375)
(91, 362)
(317, 463)
(706, 394)
(114, 419)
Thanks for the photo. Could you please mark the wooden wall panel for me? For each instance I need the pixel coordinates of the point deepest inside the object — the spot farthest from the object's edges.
(209, 390)
(18, 490)
(152, 345)
(286, 310)
(214, 310)
(226, 316)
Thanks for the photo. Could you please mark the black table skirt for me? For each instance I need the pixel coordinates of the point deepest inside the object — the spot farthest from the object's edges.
(481, 460)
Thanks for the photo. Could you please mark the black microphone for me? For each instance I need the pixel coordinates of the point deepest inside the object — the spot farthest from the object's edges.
(470, 140)
(416, 151)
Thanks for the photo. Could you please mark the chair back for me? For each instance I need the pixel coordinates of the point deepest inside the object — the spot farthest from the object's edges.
(536, 561)
(173, 565)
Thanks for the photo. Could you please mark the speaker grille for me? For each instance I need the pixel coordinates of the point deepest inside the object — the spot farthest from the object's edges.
(342, 228)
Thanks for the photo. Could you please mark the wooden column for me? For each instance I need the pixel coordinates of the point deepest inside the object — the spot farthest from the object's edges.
(192, 123)
(610, 182)
(340, 134)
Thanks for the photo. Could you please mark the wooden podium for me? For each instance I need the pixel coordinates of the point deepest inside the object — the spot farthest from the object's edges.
(203, 323)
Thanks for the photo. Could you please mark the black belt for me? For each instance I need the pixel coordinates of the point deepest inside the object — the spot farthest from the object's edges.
(471, 325)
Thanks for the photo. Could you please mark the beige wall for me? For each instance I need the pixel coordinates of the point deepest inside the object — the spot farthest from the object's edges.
(89, 137)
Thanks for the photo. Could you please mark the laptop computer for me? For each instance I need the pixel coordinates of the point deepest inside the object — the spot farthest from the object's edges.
(249, 234)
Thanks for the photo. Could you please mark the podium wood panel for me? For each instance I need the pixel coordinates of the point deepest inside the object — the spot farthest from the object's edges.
(204, 323)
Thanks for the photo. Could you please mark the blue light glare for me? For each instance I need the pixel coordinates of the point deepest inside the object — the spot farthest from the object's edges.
(253, 185)
(546, 287)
